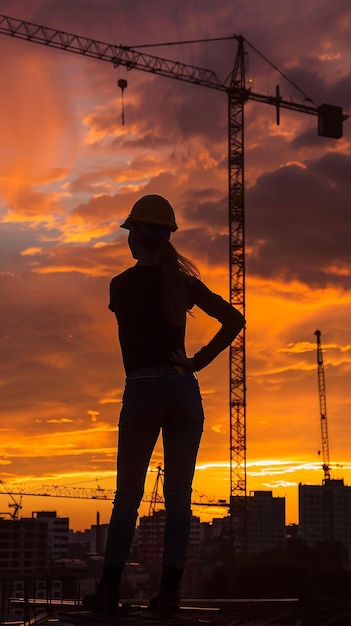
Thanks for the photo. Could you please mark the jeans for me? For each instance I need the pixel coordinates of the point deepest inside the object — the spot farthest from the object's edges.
(156, 399)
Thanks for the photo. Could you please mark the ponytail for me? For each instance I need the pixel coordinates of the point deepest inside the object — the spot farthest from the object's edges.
(175, 273)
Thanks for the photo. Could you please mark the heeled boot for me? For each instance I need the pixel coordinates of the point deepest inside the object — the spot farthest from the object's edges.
(167, 600)
(106, 596)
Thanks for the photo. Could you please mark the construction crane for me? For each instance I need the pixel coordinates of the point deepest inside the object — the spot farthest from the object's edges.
(330, 124)
(323, 407)
(156, 498)
(57, 491)
(14, 504)
(97, 493)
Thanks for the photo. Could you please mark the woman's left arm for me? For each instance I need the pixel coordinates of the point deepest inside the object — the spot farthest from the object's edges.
(231, 320)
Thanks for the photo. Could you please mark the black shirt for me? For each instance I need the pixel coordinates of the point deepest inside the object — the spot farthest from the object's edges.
(145, 336)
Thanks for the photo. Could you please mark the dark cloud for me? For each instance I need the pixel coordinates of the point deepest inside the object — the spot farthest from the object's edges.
(299, 224)
(203, 246)
(310, 76)
(210, 214)
(334, 167)
(307, 139)
(185, 111)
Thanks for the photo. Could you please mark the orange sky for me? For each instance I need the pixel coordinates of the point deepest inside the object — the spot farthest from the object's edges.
(69, 173)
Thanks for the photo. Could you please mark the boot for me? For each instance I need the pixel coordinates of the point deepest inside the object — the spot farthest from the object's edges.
(166, 600)
(106, 596)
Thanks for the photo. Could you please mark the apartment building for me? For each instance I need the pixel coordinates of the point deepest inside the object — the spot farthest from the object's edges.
(325, 513)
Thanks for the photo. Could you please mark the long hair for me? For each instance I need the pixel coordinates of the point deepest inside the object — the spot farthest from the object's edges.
(175, 272)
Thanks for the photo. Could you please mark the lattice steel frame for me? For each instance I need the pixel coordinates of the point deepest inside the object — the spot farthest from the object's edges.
(237, 96)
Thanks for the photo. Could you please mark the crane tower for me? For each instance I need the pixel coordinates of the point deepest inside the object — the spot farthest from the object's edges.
(323, 407)
(330, 124)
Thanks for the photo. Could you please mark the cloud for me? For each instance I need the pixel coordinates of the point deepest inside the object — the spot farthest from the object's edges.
(70, 172)
(298, 222)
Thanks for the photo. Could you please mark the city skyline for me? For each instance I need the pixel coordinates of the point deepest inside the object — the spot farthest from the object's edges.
(70, 172)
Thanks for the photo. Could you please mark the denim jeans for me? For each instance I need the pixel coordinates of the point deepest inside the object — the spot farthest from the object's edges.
(156, 399)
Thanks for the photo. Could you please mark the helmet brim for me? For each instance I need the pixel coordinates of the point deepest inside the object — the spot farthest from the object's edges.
(126, 224)
(131, 220)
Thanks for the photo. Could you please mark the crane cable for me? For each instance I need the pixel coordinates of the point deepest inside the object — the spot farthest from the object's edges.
(176, 43)
(306, 97)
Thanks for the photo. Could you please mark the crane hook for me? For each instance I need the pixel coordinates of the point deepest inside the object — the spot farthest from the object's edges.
(122, 84)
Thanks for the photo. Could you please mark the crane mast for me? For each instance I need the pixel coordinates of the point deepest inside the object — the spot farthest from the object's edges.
(237, 96)
(323, 407)
(156, 497)
(330, 122)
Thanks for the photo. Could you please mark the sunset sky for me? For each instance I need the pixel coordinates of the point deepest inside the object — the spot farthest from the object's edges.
(69, 173)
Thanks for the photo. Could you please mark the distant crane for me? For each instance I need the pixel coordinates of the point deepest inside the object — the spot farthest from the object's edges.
(98, 493)
(323, 407)
(16, 505)
(156, 498)
(330, 124)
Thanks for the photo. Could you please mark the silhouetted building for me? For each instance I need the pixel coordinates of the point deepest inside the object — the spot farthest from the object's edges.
(58, 532)
(292, 532)
(150, 538)
(325, 513)
(93, 541)
(98, 538)
(265, 522)
(23, 547)
(264, 517)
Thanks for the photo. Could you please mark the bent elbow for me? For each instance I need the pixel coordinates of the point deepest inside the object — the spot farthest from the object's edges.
(240, 320)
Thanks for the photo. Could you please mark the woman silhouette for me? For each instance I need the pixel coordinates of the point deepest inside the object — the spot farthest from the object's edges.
(151, 301)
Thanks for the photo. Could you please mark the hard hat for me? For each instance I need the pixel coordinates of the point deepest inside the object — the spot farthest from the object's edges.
(152, 209)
